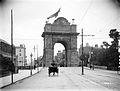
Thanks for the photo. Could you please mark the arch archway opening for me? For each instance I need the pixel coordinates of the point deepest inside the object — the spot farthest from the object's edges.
(60, 55)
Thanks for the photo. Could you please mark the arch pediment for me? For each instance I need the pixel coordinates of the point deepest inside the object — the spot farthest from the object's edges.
(61, 21)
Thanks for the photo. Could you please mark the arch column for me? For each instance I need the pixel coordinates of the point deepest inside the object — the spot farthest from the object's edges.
(68, 58)
(48, 57)
(48, 50)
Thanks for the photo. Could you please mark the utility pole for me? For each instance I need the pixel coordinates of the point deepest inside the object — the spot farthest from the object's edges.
(44, 54)
(37, 52)
(11, 43)
(83, 50)
(31, 64)
(34, 54)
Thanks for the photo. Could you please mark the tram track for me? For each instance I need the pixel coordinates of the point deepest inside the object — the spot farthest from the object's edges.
(102, 78)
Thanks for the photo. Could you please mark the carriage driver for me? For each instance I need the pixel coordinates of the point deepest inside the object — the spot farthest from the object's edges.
(53, 64)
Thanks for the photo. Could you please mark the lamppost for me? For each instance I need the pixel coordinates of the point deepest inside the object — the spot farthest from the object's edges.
(37, 60)
(31, 64)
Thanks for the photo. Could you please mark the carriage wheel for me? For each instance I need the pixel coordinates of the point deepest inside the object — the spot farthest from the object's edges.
(49, 72)
(53, 73)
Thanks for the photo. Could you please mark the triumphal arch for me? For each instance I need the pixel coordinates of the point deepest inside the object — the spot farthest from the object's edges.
(60, 31)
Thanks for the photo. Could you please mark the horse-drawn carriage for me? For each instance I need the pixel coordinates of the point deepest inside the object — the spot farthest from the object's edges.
(53, 69)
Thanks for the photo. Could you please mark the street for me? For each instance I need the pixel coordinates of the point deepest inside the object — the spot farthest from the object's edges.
(69, 78)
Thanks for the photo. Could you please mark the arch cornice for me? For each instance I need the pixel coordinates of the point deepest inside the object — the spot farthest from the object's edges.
(54, 33)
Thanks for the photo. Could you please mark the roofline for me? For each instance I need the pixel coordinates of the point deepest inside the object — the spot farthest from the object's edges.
(1, 40)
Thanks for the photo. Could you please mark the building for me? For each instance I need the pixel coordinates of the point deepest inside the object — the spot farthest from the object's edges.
(21, 55)
(89, 52)
(59, 54)
(86, 49)
(60, 58)
(7, 58)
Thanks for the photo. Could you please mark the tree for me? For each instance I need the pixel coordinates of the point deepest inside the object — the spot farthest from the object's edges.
(106, 44)
(99, 56)
(113, 50)
(114, 34)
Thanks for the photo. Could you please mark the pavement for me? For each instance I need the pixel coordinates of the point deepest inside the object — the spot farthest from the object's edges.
(69, 79)
(23, 74)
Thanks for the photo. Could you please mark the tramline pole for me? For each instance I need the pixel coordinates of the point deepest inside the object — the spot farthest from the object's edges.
(83, 50)
(34, 54)
(31, 64)
(44, 55)
(11, 43)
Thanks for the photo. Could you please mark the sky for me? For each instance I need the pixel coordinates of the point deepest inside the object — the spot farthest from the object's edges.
(96, 17)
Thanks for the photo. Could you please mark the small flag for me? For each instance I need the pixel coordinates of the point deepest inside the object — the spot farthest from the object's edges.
(54, 15)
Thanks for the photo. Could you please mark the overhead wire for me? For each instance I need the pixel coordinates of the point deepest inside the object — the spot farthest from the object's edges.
(98, 17)
(86, 12)
(25, 39)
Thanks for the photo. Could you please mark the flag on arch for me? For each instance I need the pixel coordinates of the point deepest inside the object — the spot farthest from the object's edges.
(55, 14)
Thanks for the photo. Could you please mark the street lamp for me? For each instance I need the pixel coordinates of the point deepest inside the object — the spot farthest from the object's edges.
(37, 60)
(31, 64)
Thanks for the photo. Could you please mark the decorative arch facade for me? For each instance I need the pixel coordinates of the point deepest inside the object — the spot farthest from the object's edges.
(61, 31)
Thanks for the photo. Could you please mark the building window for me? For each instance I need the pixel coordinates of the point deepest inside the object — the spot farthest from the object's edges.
(20, 50)
(20, 54)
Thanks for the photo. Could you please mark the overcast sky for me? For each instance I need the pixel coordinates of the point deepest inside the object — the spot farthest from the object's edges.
(96, 17)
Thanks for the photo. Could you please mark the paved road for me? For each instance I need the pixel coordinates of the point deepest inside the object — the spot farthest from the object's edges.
(69, 79)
